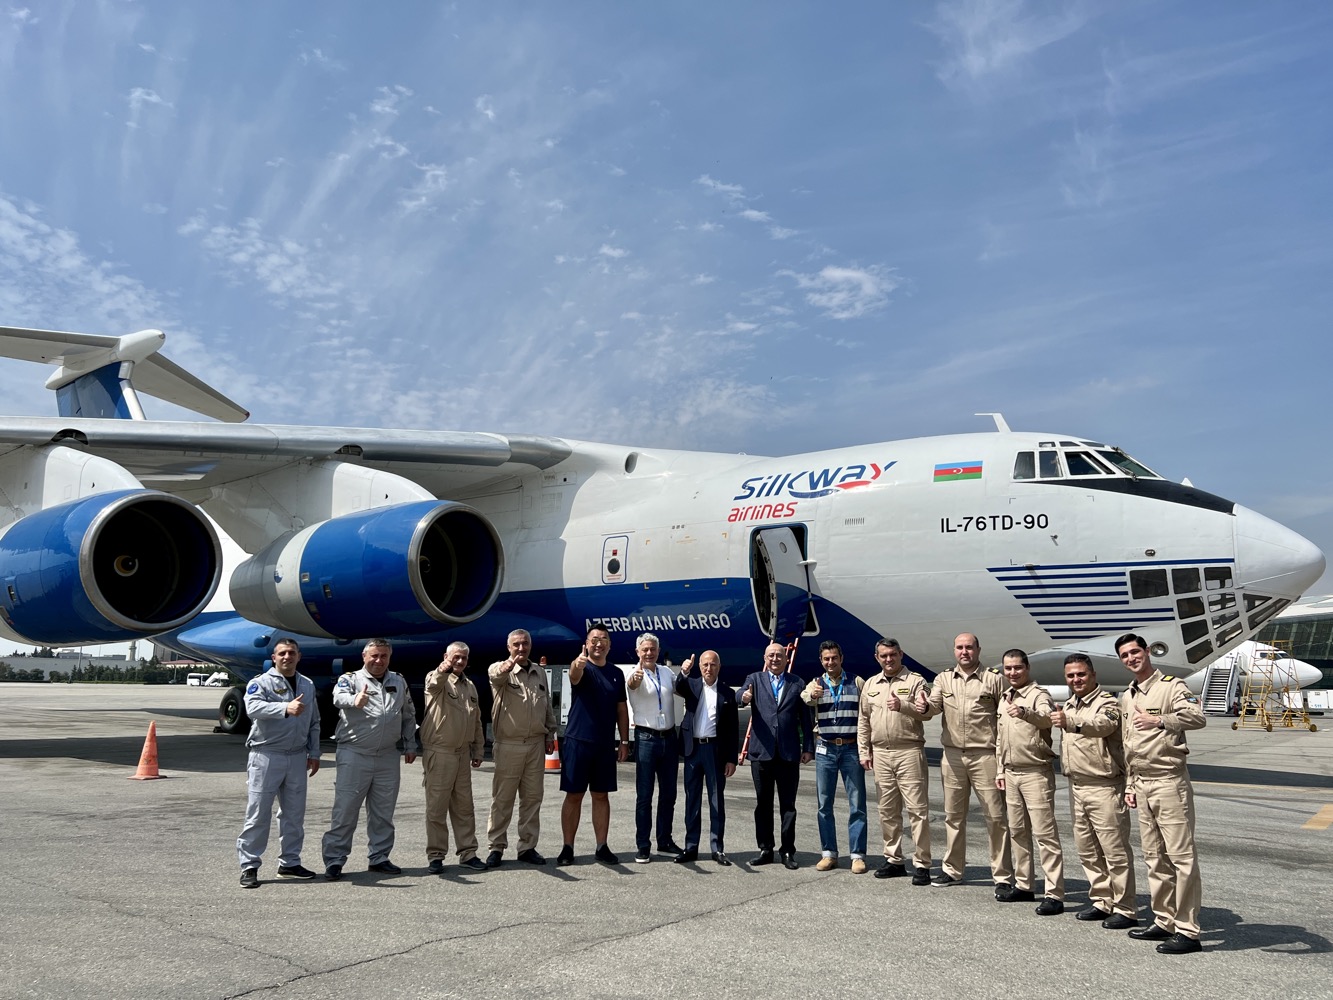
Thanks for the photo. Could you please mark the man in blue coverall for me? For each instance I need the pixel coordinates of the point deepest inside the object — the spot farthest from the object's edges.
(284, 751)
(378, 722)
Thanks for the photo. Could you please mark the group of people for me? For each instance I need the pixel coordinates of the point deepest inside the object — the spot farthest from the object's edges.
(1118, 754)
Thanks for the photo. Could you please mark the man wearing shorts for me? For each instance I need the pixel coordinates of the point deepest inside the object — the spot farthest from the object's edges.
(597, 711)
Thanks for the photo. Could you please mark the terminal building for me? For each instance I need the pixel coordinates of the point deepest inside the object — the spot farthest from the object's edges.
(1305, 631)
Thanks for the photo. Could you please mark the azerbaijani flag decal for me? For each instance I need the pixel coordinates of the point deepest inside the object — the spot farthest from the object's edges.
(957, 470)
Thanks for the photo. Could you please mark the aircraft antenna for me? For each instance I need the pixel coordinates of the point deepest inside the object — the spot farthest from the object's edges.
(1001, 424)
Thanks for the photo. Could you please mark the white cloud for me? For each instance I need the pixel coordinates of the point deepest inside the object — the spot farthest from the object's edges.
(717, 187)
(319, 58)
(780, 233)
(754, 215)
(388, 101)
(22, 15)
(154, 208)
(140, 96)
(613, 252)
(486, 106)
(984, 39)
(703, 279)
(846, 292)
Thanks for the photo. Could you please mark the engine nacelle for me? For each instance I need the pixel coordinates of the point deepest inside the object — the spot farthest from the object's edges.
(395, 570)
(107, 567)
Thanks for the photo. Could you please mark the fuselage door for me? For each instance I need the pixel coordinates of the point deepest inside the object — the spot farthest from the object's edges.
(780, 582)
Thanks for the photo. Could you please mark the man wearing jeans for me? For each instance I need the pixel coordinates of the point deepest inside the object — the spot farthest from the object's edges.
(652, 702)
(836, 700)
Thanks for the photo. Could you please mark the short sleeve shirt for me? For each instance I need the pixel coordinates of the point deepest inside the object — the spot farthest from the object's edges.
(592, 705)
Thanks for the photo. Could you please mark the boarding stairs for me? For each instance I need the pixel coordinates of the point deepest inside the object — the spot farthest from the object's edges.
(1219, 685)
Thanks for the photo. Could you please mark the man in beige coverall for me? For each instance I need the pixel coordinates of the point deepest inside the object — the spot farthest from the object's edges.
(1027, 778)
(1093, 759)
(1156, 712)
(523, 730)
(967, 699)
(452, 744)
(891, 742)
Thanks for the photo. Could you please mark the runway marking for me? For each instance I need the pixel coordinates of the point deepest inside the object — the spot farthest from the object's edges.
(1321, 820)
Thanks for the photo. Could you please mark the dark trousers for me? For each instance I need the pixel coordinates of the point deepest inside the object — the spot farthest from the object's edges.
(702, 767)
(785, 774)
(656, 759)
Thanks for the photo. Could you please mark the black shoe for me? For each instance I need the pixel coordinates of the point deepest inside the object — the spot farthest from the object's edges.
(475, 863)
(921, 876)
(1092, 912)
(1049, 907)
(249, 878)
(531, 857)
(566, 856)
(1006, 893)
(294, 871)
(494, 858)
(606, 856)
(722, 859)
(670, 847)
(890, 870)
(333, 873)
(643, 857)
(1153, 932)
(789, 862)
(943, 879)
(1179, 944)
(687, 857)
(1119, 922)
(385, 867)
(765, 857)
(436, 866)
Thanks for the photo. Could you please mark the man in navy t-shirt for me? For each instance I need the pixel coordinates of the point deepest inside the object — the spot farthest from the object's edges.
(597, 709)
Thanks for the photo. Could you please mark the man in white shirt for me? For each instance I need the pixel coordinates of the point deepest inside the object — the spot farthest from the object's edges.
(652, 703)
(710, 735)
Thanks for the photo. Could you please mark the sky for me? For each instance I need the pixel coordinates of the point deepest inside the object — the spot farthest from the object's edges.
(769, 228)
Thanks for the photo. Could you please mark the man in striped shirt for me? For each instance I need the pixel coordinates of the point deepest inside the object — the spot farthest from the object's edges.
(836, 700)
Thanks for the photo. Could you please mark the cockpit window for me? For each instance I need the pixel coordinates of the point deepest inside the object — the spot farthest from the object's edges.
(1082, 463)
(1122, 461)
(1049, 467)
(1024, 466)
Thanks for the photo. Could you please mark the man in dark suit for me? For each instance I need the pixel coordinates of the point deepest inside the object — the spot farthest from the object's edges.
(711, 741)
(781, 740)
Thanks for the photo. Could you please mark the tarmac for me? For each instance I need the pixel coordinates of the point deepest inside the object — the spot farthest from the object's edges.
(117, 888)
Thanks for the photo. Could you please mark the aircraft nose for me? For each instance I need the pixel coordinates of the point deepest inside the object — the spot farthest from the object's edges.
(1306, 674)
(1272, 559)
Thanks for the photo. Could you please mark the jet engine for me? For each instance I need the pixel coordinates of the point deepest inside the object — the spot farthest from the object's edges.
(401, 569)
(106, 567)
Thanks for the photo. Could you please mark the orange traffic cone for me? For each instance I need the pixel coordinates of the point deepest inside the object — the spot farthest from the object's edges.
(147, 770)
(553, 758)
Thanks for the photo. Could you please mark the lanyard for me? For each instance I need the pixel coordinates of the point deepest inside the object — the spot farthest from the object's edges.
(778, 685)
(657, 683)
(837, 693)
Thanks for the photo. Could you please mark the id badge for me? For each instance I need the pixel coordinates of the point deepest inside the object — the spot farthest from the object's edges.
(661, 720)
(821, 750)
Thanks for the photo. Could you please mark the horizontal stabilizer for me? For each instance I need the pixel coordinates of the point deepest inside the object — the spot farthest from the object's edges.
(77, 354)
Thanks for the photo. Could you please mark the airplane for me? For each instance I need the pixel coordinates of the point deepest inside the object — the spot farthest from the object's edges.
(1051, 543)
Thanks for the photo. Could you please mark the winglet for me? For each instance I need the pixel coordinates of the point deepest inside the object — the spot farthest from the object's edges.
(111, 369)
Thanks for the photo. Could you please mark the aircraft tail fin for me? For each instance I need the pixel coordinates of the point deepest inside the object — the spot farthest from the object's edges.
(101, 376)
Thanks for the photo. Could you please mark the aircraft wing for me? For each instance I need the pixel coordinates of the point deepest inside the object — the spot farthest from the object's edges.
(189, 459)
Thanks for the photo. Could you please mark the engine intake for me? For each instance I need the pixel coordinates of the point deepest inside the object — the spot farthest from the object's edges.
(107, 567)
(397, 570)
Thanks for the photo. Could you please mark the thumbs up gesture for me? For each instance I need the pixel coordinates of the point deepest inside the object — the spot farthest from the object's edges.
(688, 665)
(296, 706)
(362, 696)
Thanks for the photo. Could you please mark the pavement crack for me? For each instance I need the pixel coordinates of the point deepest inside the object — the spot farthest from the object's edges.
(371, 960)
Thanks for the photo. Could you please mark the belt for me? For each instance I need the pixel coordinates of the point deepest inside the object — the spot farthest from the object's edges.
(705, 739)
(839, 741)
(649, 731)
